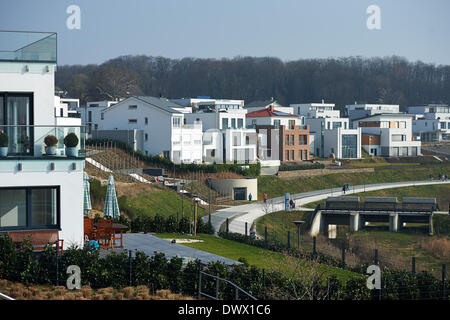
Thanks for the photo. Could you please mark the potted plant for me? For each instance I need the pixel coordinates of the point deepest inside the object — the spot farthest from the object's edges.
(51, 142)
(71, 142)
(3, 144)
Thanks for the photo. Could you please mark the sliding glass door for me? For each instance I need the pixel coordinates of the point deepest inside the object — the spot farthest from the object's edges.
(15, 120)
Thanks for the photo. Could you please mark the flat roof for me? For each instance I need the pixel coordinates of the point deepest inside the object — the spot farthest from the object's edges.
(380, 199)
(419, 200)
(343, 199)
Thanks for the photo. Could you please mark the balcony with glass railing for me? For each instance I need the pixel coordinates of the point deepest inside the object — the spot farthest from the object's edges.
(28, 46)
(37, 142)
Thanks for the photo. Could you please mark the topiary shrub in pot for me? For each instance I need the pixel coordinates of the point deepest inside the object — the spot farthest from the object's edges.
(51, 141)
(71, 142)
(3, 144)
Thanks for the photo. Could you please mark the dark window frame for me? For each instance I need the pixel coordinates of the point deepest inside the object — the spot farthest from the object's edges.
(28, 196)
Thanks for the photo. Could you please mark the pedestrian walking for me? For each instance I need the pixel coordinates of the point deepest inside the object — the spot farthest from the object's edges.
(265, 197)
(343, 188)
(431, 176)
(250, 197)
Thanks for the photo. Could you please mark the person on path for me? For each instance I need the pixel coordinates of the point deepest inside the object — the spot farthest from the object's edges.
(265, 197)
(250, 197)
(343, 188)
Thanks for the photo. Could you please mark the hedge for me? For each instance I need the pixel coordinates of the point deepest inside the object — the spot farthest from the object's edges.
(158, 272)
(292, 167)
(253, 170)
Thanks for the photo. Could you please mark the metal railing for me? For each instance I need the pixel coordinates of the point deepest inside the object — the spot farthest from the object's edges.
(237, 289)
(5, 297)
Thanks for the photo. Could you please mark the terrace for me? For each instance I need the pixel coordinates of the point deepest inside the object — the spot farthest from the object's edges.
(18, 46)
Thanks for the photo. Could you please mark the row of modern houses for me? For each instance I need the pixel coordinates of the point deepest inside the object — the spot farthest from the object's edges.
(43, 136)
(202, 129)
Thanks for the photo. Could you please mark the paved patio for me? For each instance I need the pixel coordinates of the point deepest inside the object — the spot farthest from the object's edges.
(148, 244)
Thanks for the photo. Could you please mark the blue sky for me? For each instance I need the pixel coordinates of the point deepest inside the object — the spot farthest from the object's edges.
(288, 29)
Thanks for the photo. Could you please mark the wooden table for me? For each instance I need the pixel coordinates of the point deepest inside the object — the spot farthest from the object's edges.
(118, 228)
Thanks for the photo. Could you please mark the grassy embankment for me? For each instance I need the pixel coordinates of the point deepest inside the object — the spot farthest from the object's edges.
(258, 257)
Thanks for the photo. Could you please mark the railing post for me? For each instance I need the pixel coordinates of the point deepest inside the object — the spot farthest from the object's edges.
(444, 276)
(264, 283)
(314, 246)
(227, 227)
(246, 231)
(217, 288)
(265, 237)
(236, 293)
(289, 240)
(199, 280)
(130, 261)
(57, 262)
(413, 265)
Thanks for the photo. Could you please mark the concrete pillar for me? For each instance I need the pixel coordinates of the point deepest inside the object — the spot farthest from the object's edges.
(393, 222)
(354, 221)
(430, 225)
(332, 231)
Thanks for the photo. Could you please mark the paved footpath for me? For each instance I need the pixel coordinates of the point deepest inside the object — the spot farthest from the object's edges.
(239, 215)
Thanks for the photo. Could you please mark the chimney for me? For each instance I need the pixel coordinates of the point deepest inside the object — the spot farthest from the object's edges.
(271, 108)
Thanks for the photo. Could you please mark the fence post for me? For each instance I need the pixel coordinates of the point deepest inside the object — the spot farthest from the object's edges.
(236, 293)
(130, 262)
(246, 231)
(227, 226)
(444, 276)
(264, 283)
(289, 240)
(413, 265)
(199, 280)
(343, 256)
(57, 262)
(376, 257)
(265, 237)
(217, 288)
(314, 246)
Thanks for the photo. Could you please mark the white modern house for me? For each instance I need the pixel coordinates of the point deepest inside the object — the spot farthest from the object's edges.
(315, 110)
(431, 122)
(154, 126)
(264, 104)
(91, 114)
(37, 191)
(358, 111)
(388, 135)
(334, 136)
(66, 115)
(206, 103)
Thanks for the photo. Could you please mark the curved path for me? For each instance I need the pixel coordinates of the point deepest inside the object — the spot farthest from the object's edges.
(239, 215)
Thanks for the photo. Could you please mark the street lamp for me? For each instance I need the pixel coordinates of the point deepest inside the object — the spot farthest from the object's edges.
(298, 223)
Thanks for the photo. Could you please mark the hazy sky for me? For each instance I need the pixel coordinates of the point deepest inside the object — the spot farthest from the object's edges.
(288, 29)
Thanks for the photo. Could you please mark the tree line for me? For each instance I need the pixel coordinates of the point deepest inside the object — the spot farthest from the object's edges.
(392, 80)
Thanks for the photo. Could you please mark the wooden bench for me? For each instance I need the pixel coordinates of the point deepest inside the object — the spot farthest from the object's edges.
(39, 238)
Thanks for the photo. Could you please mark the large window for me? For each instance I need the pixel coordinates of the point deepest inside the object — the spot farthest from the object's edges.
(224, 123)
(176, 122)
(240, 123)
(16, 115)
(29, 208)
(349, 146)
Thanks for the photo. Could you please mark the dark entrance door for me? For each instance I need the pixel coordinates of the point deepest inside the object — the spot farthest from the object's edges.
(240, 193)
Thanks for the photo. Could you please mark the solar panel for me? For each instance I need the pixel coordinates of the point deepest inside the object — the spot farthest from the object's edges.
(380, 199)
(419, 200)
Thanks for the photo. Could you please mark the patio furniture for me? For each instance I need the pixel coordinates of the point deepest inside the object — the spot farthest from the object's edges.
(118, 233)
(89, 229)
(104, 234)
(39, 239)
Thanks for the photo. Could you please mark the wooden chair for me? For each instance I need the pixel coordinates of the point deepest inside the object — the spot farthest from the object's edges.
(104, 234)
(39, 238)
(89, 229)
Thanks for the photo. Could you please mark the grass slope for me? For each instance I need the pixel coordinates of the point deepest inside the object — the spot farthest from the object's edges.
(258, 257)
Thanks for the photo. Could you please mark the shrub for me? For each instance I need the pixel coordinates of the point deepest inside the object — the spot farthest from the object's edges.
(3, 140)
(291, 167)
(71, 140)
(51, 141)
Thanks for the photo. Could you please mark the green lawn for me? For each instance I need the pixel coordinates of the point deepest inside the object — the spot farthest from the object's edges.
(258, 257)
(276, 187)
(163, 201)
